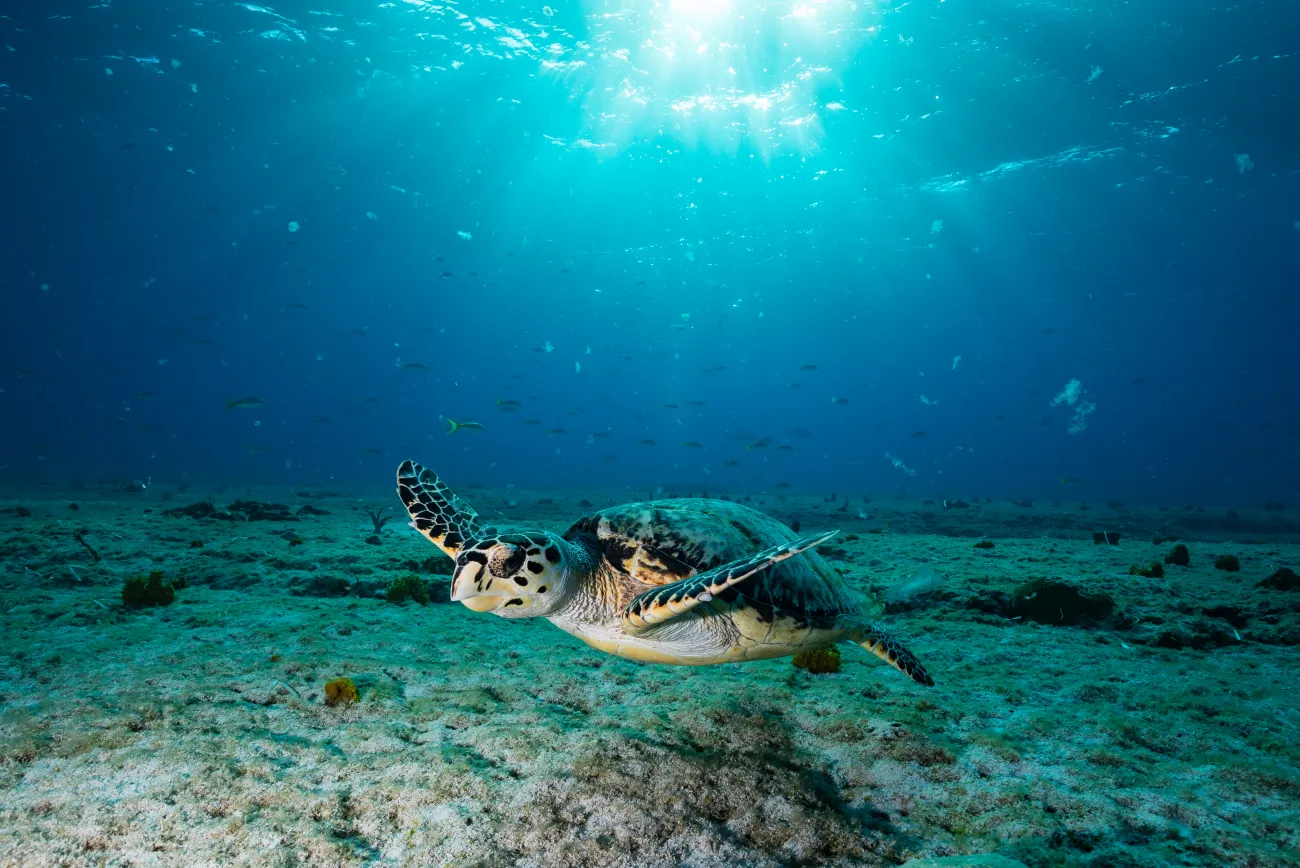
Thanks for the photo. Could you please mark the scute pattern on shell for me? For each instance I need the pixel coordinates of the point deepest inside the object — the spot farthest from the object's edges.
(657, 542)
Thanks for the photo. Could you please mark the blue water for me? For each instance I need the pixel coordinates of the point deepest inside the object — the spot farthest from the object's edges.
(951, 209)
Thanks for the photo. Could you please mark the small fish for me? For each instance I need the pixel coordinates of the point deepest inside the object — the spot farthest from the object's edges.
(255, 450)
(146, 394)
(670, 406)
(835, 400)
(410, 366)
(601, 435)
(532, 421)
(919, 434)
(783, 485)
(1069, 480)
(645, 442)
(551, 432)
(369, 399)
(250, 403)
(297, 306)
(785, 447)
(321, 420)
(801, 433)
(692, 444)
(370, 450)
(514, 405)
(454, 426)
(794, 385)
(515, 377)
(128, 146)
(759, 444)
(608, 457)
(696, 403)
(1139, 381)
(808, 368)
(447, 274)
(731, 464)
(1002, 418)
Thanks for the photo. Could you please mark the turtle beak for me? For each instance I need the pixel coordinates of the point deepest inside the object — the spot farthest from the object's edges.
(464, 589)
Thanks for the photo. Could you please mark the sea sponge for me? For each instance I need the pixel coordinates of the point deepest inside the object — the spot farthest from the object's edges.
(408, 587)
(140, 591)
(1155, 571)
(818, 661)
(1227, 562)
(341, 691)
(984, 544)
(1179, 556)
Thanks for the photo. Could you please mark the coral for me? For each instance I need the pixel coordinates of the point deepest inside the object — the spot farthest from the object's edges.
(1179, 556)
(408, 587)
(140, 591)
(1155, 571)
(377, 518)
(1230, 563)
(1052, 602)
(818, 661)
(984, 544)
(341, 691)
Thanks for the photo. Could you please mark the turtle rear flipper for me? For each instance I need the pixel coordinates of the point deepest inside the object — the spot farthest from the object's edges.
(676, 598)
(444, 519)
(878, 641)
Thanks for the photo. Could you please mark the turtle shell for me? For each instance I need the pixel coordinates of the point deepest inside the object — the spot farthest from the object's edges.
(660, 541)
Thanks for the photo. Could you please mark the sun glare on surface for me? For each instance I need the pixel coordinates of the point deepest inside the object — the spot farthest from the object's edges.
(720, 74)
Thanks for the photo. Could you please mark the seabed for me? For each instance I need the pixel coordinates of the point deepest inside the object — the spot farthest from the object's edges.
(1164, 731)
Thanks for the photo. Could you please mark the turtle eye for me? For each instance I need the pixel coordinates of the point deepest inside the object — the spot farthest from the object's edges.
(505, 560)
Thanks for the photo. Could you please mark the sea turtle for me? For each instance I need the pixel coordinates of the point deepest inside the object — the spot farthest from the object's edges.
(686, 581)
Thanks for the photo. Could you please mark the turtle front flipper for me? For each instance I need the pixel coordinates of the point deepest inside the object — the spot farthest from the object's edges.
(878, 641)
(668, 601)
(444, 519)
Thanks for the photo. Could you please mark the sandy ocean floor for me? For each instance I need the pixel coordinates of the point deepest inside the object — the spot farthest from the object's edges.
(1164, 730)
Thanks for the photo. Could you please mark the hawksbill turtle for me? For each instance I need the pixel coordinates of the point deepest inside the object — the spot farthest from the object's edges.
(685, 581)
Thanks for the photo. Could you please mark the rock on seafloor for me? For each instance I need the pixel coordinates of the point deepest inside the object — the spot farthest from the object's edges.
(1157, 729)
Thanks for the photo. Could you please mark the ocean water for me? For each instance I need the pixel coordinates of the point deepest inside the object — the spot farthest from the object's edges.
(925, 273)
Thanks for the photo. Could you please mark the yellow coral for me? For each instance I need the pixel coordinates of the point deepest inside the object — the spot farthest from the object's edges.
(819, 661)
(341, 691)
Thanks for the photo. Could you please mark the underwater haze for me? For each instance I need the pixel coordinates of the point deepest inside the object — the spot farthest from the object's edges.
(650, 433)
(651, 220)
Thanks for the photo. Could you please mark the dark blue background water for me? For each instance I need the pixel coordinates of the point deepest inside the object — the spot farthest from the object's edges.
(1103, 229)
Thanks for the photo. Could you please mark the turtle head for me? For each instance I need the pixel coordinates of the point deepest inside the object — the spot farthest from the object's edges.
(515, 575)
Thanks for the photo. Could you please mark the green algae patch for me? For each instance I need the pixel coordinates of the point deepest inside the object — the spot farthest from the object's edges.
(408, 587)
(139, 592)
